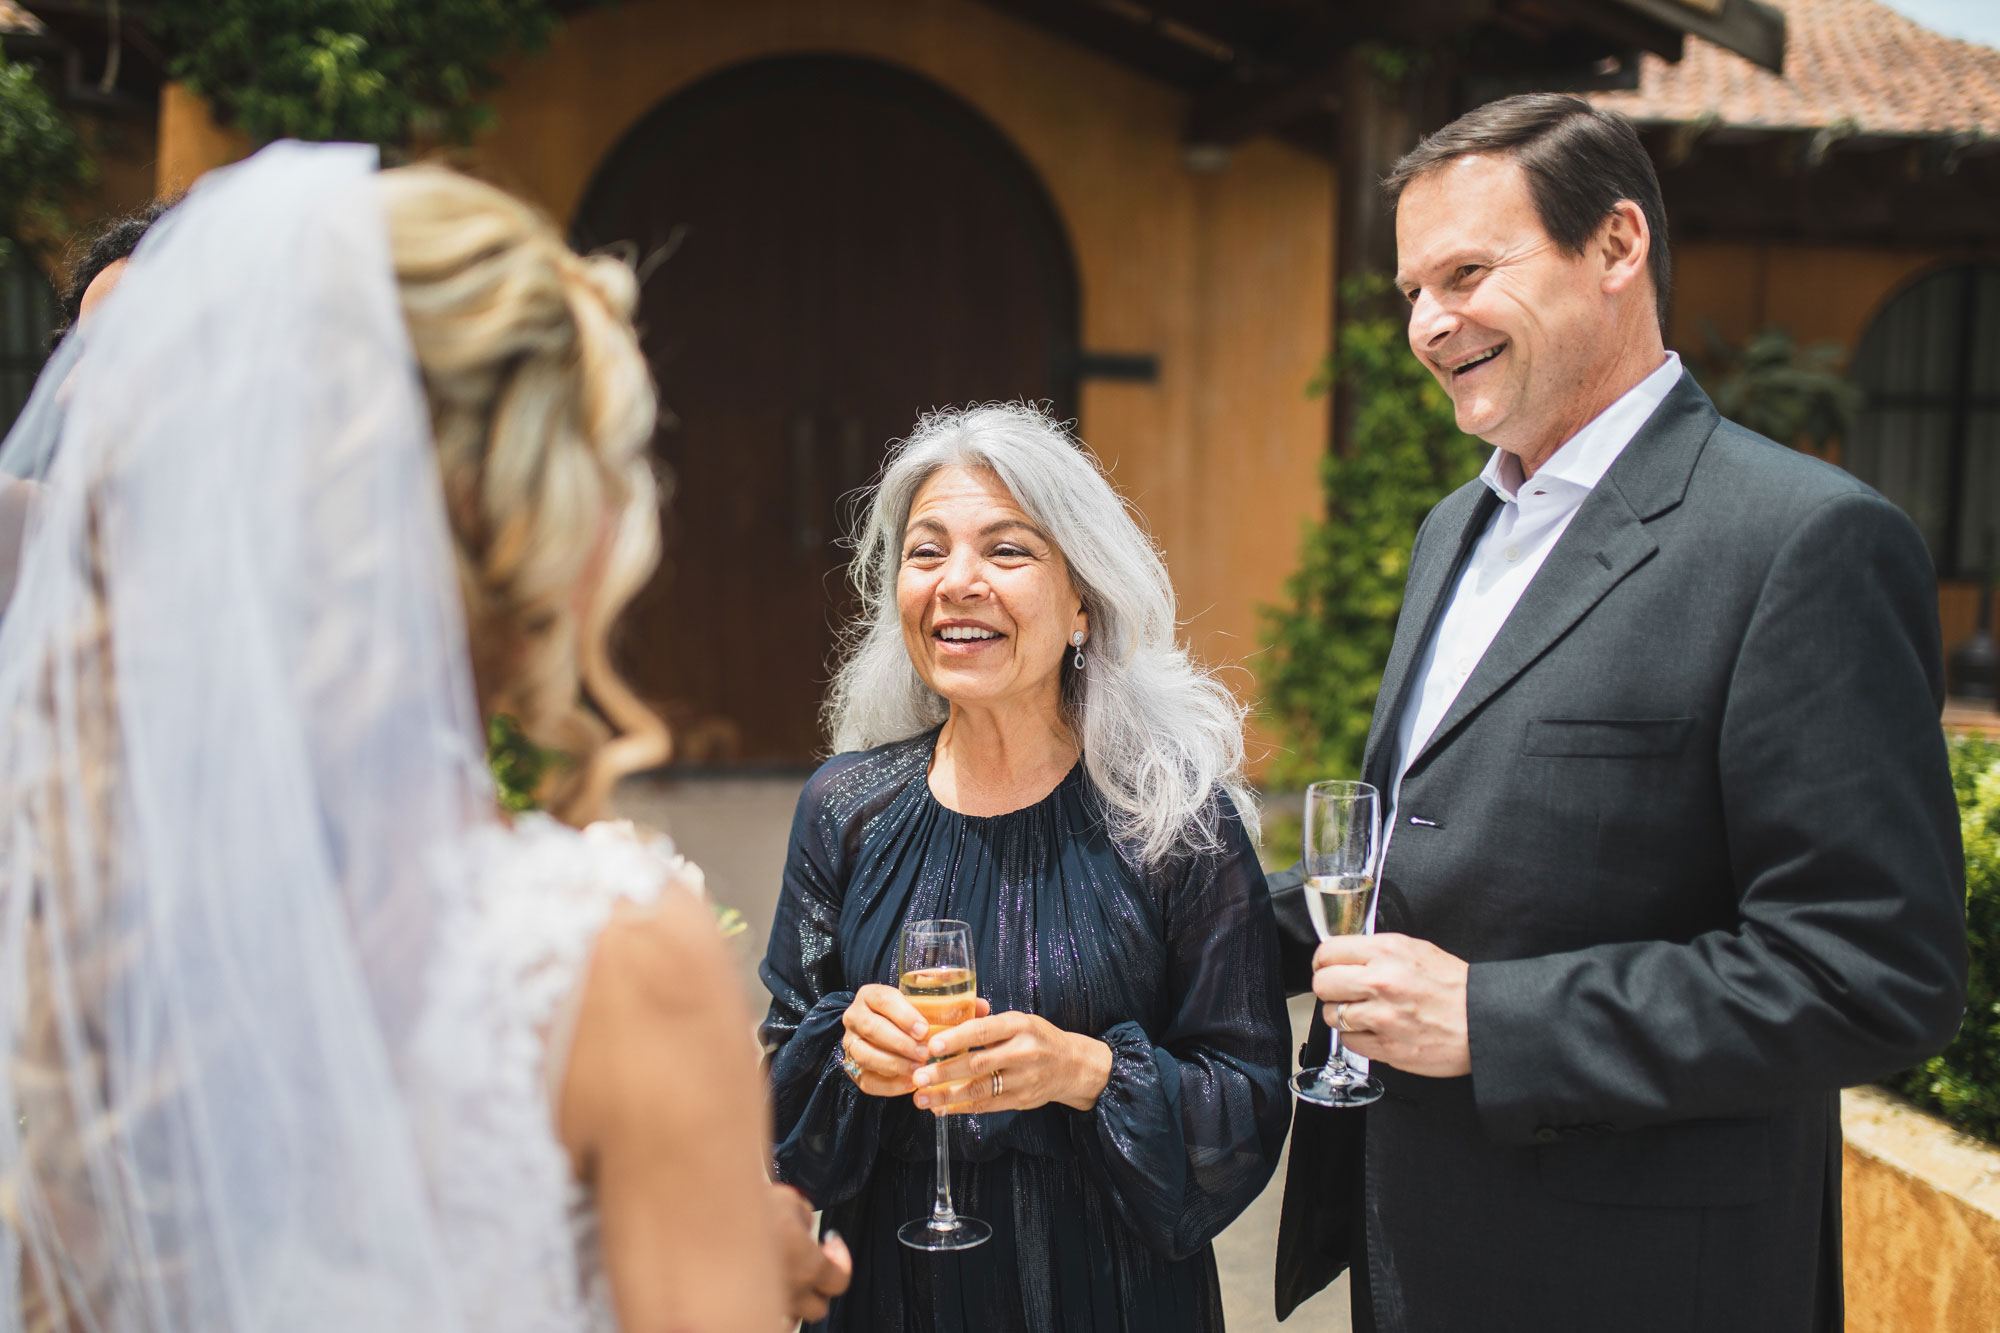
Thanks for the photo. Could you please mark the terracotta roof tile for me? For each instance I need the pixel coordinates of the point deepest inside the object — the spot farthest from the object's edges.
(1847, 62)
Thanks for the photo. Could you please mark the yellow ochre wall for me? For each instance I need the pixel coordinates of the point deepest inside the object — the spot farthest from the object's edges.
(190, 141)
(1818, 292)
(1225, 277)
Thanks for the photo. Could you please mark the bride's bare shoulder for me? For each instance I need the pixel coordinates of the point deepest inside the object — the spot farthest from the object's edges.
(663, 958)
(660, 1011)
(662, 1112)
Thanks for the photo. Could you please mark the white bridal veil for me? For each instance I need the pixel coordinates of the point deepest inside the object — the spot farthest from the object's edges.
(237, 742)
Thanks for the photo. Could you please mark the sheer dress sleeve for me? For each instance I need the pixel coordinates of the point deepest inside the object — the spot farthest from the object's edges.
(1188, 1130)
(827, 1129)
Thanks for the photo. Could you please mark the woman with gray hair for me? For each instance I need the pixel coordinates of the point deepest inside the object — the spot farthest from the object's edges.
(1025, 747)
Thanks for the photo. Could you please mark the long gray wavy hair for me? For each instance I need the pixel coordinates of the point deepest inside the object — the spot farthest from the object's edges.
(1161, 736)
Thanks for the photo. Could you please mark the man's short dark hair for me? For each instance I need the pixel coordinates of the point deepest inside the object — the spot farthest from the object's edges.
(1580, 161)
(116, 240)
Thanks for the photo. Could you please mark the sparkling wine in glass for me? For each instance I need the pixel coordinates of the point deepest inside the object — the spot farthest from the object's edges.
(936, 976)
(1343, 828)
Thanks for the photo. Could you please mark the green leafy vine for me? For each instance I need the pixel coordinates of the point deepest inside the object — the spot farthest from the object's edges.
(374, 71)
(1329, 639)
(41, 159)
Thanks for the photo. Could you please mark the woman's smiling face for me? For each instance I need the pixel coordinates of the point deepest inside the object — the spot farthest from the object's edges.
(985, 597)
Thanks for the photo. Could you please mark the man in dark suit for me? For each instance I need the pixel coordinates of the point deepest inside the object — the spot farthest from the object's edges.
(1672, 848)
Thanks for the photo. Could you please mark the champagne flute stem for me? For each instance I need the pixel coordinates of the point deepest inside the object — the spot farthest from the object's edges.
(1335, 1070)
(942, 1216)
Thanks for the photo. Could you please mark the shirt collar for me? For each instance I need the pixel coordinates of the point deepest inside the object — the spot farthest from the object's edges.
(1586, 456)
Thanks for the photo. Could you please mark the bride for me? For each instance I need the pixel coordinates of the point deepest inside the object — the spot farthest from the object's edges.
(301, 1032)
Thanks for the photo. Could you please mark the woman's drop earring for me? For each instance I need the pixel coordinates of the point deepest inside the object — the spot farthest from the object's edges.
(1076, 640)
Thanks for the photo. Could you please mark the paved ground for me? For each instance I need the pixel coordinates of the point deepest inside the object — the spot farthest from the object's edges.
(735, 828)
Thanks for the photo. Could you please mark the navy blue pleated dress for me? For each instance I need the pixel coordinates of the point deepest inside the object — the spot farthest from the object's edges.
(1102, 1219)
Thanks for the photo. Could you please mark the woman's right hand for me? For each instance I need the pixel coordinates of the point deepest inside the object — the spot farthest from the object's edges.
(885, 1037)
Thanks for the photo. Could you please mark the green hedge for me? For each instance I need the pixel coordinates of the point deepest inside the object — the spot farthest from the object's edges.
(1329, 639)
(1962, 1084)
(41, 159)
(377, 71)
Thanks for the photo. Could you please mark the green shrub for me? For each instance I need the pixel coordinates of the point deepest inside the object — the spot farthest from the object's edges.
(1962, 1083)
(1792, 394)
(374, 71)
(1330, 638)
(41, 159)
(1284, 832)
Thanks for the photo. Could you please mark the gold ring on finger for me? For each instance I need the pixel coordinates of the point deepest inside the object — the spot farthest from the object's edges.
(1340, 1016)
(996, 1085)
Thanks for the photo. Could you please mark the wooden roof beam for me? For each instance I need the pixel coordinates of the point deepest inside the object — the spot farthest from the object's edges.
(1751, 29)
(1225, 23)
(1274, 85)
(1126, 33)
(1226, 114)
(1621, 26)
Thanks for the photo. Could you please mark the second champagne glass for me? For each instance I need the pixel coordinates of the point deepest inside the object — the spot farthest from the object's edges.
(1343, 826)
(936, 975)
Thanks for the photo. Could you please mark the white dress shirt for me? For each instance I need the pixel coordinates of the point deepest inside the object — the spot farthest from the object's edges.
(1534, 512)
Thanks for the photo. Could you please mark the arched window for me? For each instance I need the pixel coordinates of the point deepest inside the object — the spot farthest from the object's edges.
(1929, 437)
(28, 311)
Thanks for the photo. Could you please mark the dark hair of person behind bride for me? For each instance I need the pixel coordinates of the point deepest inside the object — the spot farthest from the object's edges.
(115, 240)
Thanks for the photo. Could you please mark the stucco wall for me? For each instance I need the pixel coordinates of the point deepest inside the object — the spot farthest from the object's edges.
(1225, 277)
(1920, 1209)
(1818, 292)
(190, 141)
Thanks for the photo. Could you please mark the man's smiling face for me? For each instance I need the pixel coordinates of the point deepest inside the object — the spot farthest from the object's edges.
(1511, 326)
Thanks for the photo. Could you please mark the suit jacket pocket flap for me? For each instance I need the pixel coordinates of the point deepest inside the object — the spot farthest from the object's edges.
(1694, 1164)
(1606, 738)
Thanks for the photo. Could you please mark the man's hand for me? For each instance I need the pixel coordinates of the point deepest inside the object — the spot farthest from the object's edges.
(1396, 999)
(815, 1273)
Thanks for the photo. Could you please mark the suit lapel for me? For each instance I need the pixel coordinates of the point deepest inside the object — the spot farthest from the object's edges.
(1461, 517)
(1604, 543)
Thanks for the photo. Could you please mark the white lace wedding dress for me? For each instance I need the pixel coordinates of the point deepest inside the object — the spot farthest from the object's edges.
(520, 1234)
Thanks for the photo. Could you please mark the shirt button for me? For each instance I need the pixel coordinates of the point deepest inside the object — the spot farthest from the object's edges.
(1513, 553)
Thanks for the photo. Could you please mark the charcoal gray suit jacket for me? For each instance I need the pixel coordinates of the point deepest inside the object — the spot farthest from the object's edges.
(1691, 824)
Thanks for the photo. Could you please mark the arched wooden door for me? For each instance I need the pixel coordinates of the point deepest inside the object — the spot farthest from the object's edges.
(845, 246)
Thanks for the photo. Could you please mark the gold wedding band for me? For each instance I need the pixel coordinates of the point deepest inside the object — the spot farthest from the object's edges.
(996, 1084)
(1340, 1016)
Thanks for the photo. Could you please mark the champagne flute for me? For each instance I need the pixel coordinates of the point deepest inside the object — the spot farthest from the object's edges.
(936, 975)
(1343, 827)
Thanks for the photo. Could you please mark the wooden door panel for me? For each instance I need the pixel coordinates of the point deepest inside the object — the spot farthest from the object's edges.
(849, 252)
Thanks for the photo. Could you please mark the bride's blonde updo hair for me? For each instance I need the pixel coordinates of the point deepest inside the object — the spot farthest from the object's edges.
(543, 409)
